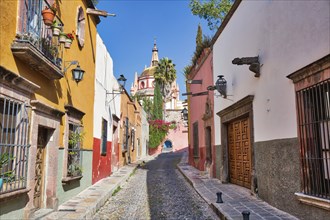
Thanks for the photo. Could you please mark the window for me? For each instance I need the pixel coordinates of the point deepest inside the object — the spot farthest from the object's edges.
(81, 22)
(74, 168)
(104, 137)
(142, 85)
(126, 135)
(195, 140)
(14, 145)
(133, 139)
(313, 105)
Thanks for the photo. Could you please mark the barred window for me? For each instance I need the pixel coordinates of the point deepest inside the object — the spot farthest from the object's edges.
(104, 137)
(14, 145)
(74, 168)
(196, 140)
(314, 132)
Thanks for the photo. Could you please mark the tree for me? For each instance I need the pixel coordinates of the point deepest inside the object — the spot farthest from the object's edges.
(214, 11)
(157, 112)
(165, 74)
(199, 36)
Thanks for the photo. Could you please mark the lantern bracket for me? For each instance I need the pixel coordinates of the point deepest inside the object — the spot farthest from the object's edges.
(70, 63)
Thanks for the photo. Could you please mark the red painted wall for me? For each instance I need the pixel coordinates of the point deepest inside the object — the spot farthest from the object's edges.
(101, 164)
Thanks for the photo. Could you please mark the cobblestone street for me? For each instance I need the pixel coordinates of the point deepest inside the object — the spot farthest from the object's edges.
(156, 190)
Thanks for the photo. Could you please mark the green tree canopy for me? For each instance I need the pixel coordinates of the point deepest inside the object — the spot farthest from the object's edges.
(213, 11)
(157, 109)
(165, 74)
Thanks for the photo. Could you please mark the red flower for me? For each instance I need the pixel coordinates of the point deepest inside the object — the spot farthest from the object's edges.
(70, 36)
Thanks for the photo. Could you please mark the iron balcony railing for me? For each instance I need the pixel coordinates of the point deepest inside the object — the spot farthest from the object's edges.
(33, 30)
(14, 145)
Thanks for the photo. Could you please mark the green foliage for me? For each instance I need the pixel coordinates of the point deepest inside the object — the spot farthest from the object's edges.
(165, 74)
(157, 131)
(8, 176)
(199, 36)
(157, 112)
(199, 50)
(213, 11)
(116, 191)
(75, 138)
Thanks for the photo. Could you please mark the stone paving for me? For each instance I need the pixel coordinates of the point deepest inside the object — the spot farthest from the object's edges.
(157, 191)
(235, 199)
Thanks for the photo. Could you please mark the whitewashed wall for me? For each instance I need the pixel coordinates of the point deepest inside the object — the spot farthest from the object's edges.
(287, 35)
(105, 104)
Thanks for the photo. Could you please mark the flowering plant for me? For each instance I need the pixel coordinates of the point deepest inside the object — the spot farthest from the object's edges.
(70, 36)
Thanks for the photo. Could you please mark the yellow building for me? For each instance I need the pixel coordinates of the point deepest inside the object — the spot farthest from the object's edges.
(45, 116)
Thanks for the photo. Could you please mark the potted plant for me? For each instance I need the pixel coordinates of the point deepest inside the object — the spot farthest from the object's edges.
(57, 28)
(8, 175)
(62, 37)
(68, 41)
(48, 14)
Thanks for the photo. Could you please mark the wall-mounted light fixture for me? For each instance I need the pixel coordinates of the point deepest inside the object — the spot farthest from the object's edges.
(220, 86)
(194, 81)
(252, 61)
(77, 73)
(122, 81)
(184, 113)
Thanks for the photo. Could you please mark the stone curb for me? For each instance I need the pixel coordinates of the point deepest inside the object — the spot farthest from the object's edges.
(89, 201)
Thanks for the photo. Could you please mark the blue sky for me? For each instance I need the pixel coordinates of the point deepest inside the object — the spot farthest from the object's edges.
(130, 35)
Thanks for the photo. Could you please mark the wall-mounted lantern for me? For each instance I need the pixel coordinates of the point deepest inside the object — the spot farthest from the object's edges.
(220, 86)
(184, 113)
(77, 73)
(252, 61)
(122, 81)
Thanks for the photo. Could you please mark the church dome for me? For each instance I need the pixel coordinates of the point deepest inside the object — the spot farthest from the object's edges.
(150, 71)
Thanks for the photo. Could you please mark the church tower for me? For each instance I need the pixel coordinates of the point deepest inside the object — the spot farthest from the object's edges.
(154, 58)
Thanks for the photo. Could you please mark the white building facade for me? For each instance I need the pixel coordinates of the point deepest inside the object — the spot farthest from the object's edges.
(106, 115)
(256, 127)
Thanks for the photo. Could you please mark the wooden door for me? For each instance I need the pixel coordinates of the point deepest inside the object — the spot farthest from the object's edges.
(39, 168)
(240, 152)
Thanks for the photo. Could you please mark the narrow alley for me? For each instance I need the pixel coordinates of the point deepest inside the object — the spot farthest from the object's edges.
(163, 194)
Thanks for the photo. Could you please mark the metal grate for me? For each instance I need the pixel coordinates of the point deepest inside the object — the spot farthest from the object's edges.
(74, 150)
(33, 30)
(314, 134)
(14, 125)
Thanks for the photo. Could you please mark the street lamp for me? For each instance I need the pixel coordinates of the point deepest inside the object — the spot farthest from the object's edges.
(122, 81)
(184, 113)
(77, 73)
(220, 86)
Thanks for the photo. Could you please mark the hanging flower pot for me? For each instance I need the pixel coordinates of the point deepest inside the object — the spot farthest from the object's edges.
(57, 28)
(68, 41)
(48, 15)
(62, 38)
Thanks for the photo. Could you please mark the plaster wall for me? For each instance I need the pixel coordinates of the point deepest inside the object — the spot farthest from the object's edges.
(71, 189)
(144, 133)
(105, 106)
(197, 108)
(286, 35)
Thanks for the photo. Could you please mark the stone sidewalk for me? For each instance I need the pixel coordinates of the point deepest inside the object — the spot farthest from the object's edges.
(86, 203)
(236, 199)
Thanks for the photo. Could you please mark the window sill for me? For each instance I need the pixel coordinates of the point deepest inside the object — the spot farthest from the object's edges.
(12, 195)
(67, 180)
(314, 201)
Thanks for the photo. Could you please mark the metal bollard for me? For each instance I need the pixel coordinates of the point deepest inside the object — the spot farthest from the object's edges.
(219, 199)
(246, 215)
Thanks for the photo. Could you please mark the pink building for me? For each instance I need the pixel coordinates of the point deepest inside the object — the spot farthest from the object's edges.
(201, 124)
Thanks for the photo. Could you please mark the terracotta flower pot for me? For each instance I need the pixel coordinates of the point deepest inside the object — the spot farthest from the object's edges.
(68, 43)
(48, 16)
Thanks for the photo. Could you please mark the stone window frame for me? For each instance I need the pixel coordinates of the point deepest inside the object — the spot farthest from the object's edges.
(240, 109)
(304, 78)
(74, 117)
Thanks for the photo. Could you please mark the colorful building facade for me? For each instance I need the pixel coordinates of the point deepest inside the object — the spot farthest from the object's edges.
(46, 113)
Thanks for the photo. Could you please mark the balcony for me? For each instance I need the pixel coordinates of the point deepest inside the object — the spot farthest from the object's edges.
(35, 43)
